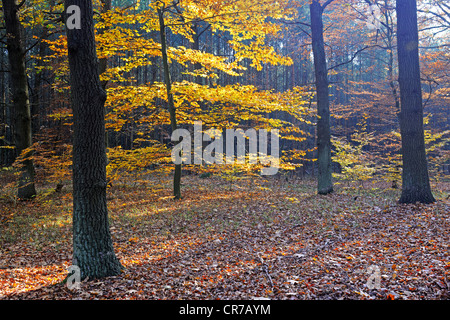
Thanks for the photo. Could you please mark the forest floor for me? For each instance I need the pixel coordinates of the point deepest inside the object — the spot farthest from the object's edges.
(245, 239)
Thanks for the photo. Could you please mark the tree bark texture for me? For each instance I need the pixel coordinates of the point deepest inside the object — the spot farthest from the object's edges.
(415, 180)
(324, 183)
(20, 97)
(93, 250)
(170, 102)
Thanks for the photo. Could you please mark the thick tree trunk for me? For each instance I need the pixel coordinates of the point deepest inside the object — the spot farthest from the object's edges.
(93, 250)
(20, 97)
(170, 102)
(416, 184)
(324, 184)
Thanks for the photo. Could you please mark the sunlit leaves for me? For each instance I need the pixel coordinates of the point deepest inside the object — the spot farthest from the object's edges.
(223, 239)
(124, 164)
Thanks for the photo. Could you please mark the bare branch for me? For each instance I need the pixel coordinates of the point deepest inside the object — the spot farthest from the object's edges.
(21, 4)
(351, 59)
(326, 4)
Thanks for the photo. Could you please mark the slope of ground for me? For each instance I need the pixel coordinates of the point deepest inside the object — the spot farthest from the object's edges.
(243, 239)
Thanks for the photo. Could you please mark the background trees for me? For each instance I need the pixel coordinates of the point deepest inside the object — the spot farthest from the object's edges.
(325, 184)
(329, 80)
(15, 45)
(232, 64)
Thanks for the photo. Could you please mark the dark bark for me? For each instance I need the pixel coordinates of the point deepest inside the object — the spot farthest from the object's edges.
(20, 97)
(37, 97)
(3, 112)
(93, 251)
(170, 102)
(415, 180)
(324, 183)
(103, 62)
(394, 90)
(196, 46)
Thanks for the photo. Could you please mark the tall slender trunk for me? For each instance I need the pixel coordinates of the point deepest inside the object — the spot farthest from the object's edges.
(394, 91)
(196, 46)
(170, 102)
(20, 97)
(38, 90)
(324, 183)
(93, 250)
(103, 62)
(3, 109)
(415, 180)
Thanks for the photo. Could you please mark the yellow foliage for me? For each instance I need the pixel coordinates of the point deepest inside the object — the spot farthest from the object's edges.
(131, 35)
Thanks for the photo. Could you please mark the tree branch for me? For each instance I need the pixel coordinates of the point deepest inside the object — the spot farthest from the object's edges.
(298, 22)
(351, 59)
(201, 32)
(326, 4)
(21, 4)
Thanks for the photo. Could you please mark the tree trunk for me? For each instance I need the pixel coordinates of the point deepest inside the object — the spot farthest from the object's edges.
(170, 102)
(395, 95)
(93, 251)
(324, 184)
(416, 184)
(20, 97)
(103, 62)
(196, 46)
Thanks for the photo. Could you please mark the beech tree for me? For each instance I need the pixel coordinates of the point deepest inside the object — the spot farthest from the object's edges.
(20, 97)
(233, 64)
(170, 101)
(416, 184)
(93, 250)
(324, 182)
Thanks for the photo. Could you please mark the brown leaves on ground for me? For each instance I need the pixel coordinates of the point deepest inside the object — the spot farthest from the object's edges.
(256, 239)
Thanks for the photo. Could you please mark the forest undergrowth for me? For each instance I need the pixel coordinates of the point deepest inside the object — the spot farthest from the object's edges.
(242, 239)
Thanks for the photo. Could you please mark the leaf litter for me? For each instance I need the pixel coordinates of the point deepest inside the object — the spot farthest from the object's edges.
(258, 239)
